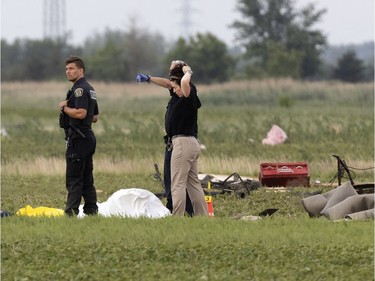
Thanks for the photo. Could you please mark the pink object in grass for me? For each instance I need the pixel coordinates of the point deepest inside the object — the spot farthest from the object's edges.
(275, 136)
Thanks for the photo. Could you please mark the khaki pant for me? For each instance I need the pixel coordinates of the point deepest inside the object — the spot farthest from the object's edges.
(184, 174)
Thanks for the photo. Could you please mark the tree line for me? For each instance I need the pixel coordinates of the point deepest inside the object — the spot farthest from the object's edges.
(273, 40)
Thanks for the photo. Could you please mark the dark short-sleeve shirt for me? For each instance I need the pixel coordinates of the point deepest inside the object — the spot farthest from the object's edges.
(168, 114)
(83, 96)
(184, 116)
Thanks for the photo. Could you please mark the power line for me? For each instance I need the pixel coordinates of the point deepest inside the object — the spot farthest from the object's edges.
(54, 18)
(186, 19)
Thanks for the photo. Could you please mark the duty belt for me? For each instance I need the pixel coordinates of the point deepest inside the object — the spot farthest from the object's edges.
(186, 136)
(78, 131)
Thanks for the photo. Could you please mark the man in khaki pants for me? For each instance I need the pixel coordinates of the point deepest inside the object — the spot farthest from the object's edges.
(186, 148)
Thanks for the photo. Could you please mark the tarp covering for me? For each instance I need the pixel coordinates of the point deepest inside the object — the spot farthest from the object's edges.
(40, 211)
(341, 202)
(131, 202)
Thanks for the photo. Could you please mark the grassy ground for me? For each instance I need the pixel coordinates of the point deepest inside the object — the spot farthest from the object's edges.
(320, 119)
(186, 249)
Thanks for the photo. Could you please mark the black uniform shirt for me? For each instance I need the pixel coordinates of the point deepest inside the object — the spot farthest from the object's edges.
(184, 117)
(83, 95)
(168, 114)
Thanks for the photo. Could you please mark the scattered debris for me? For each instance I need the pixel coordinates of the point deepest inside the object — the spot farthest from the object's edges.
(276, 135)
(233, 183)
(4, 214)
(343, 168)
(4, 132)
(250, 218)
(268, 212)
(340, 202)
(219, 184)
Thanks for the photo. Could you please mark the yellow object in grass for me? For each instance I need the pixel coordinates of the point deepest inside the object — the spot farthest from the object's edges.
(40, 211)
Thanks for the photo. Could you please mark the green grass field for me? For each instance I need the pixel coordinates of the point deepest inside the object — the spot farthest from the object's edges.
(320, 119)
(186, 249)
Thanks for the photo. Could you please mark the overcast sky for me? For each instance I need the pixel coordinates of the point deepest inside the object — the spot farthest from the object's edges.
(346, 21)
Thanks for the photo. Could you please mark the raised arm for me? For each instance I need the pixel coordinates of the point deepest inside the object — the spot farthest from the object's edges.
(160, 81)
(185, 81)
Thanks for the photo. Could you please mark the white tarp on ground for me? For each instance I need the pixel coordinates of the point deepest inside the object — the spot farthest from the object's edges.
(131, 202)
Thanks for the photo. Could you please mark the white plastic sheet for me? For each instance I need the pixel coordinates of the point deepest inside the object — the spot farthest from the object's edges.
(131, 202)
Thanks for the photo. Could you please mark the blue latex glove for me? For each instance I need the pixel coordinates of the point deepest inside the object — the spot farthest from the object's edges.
(142, 78)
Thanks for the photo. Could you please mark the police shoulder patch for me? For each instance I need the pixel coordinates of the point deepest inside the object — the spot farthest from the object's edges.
(93, 94)
(78, 92)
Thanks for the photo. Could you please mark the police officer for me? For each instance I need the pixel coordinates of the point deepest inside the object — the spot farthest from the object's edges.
(166, 83)
(80, 109)
(186, 149)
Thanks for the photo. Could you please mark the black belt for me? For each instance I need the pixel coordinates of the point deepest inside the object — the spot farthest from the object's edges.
(73, 129)
(185, 136)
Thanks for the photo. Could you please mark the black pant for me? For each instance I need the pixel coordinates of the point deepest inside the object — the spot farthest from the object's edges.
(167, 184)
(79, 175)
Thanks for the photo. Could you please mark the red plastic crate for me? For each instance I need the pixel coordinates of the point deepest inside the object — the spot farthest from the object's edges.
(284, 174)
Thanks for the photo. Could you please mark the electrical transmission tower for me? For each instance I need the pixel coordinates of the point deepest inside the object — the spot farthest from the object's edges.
(54, 19)
(186, 22)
